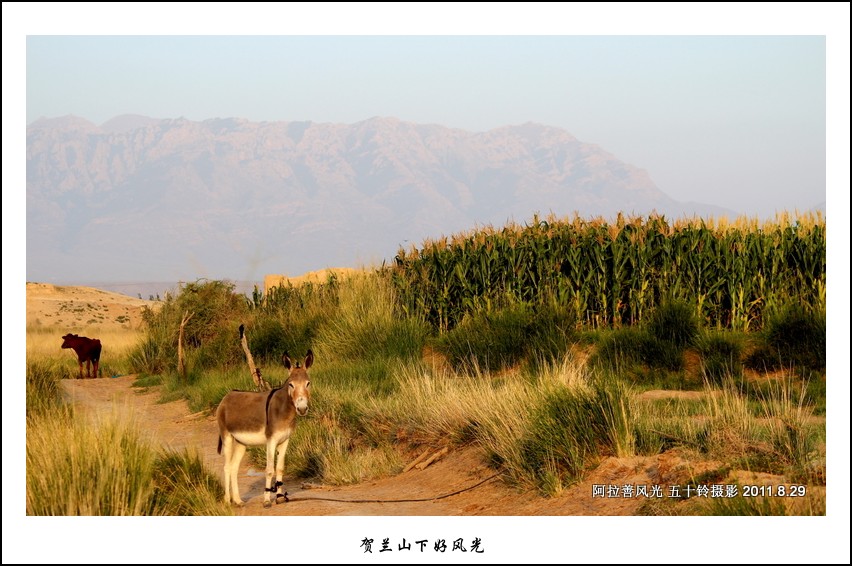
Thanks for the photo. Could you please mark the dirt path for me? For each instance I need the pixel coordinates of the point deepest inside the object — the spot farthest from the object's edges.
(172, 425)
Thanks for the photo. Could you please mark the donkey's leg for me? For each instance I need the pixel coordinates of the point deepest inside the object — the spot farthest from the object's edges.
(279, 469)
(239, 452)
(228, 452)
(270, 470)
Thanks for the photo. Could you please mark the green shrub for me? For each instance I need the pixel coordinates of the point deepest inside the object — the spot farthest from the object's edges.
(794, 336)
(183, 486)
(44, 392)
(269, 338)
(619, 349)
(662, 354)
(368, 324)
(502, 338)
(551, 333)
(492, 341)
(721, 354)
(622, 349)
(674, 322)
(210, 334)
(573, 427)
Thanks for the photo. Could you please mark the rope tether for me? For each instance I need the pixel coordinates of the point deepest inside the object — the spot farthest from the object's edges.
(489, 478)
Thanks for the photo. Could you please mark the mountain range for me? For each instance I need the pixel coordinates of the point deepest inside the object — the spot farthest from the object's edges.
(145, 199)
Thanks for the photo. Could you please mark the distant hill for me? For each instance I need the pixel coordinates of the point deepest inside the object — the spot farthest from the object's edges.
(75, 307)
(141, 199)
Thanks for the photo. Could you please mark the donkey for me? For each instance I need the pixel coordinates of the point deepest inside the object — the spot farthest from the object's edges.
(248, 418)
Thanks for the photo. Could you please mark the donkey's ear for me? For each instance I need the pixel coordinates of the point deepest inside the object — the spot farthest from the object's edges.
(286, 359)
(309, 359)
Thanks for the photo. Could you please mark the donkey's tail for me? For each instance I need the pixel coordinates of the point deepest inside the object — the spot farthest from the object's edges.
(219, 449)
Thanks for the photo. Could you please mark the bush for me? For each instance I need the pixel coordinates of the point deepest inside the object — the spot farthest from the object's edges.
(626, 347)
(368, 324)
(184, 487)
(552, 331)
(721, 354)
(793, 336)
(662, 354)
(269, 338)
(44, 391)
(799, 336)
(674, 322)
(489, 340)
(573, 427)
(500, 339)
(76, 466)
(619, 349)
(211, 337)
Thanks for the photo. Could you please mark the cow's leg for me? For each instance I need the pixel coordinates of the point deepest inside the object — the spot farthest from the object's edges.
(279, 469)
(95, 364)
(81, 369)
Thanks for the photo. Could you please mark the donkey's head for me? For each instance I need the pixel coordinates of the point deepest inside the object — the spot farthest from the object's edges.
(298, 384)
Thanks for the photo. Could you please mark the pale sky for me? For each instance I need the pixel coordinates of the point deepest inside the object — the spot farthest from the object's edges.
(728, 104)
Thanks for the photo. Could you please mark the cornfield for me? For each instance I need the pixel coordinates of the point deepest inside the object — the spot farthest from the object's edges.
(613, 274)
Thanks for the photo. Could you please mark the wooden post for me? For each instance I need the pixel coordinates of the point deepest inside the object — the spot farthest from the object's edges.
(259, 383)
(181, 361)
(416, 460)
(435, 456)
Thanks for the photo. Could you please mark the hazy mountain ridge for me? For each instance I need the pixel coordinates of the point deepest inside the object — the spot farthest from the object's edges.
(234, 198)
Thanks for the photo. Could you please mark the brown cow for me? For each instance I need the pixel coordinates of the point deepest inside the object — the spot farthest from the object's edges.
(88, 350)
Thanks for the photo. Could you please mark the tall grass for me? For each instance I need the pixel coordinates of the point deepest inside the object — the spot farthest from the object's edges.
(794, 434)
(79, 467)
(76, 465)
(777, 435)
(184, 486)
(664, 424)
(333, 452)
(812, 504)
(43, 390)
(538, 431)
(74, 468)
(367, 324)
(573, 427)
